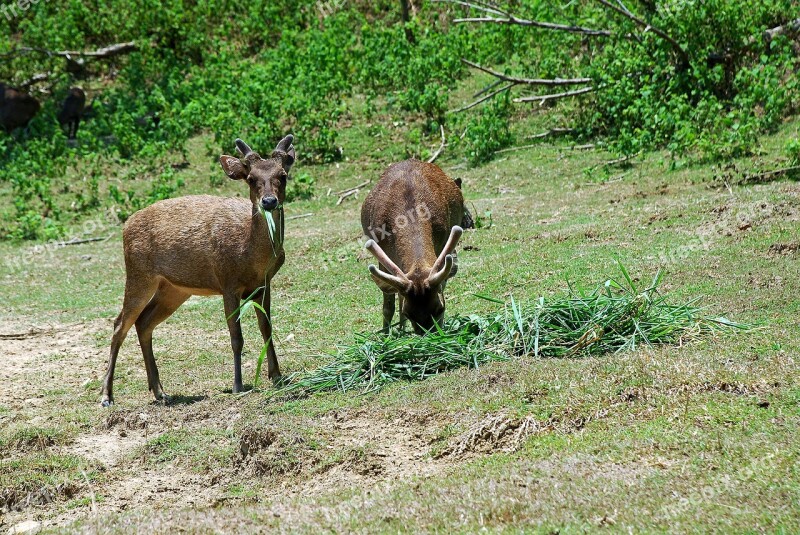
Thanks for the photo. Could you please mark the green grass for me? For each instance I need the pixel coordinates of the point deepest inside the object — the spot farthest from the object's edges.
(614, 317)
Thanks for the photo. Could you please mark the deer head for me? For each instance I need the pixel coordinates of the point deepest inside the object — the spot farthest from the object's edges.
(266, 177)
(422, 289)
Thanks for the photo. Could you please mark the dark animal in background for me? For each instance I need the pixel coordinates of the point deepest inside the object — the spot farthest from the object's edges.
(412, 217)
(72, 111)
(204, 245)
(16, 108)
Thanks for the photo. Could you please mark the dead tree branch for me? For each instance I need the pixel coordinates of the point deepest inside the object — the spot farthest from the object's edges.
(528, 81)
(682, 54)
(105, 52)
(484, 98)
(441, 147)
(789, 27)
(551, 132)
(541, 99)
(509, 18)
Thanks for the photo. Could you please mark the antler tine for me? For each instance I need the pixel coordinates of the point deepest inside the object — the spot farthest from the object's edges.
(384, 259)
(243, 148)
(400, 284)
(286, 143)
(438, 277)
(449, 247)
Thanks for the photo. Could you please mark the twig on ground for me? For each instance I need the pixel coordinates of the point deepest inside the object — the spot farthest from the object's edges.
(105, 52)
(551, 132)
(348, 190)
(77, 241)
(301, 216)
(441, 147)
(541, 99)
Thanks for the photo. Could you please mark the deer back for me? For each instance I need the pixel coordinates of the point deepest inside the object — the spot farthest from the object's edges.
(411, 211)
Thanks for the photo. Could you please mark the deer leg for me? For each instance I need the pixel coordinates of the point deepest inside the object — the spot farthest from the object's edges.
(388, 311)
(231, 301)
(265, 325)
(163, 304)
(138, 291)
(402, 316)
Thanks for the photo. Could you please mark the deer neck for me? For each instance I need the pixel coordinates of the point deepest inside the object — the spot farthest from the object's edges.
(414, 249)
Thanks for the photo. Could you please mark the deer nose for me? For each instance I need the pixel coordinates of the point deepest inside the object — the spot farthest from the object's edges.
(270, 202)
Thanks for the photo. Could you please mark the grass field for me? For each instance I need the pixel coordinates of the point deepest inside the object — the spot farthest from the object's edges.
(704, 436)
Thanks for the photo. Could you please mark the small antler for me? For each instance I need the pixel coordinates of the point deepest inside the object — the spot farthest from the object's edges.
(246, 153)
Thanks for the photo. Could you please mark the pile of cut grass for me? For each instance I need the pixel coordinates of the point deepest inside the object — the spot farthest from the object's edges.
(612, 318)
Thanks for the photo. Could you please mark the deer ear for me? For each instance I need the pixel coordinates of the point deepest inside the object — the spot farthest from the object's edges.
(458, 182)
(233, 167)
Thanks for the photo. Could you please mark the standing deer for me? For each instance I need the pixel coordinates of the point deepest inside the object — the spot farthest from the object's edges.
(72, 111)
(16, 108)
(412, 216)
(203, 245)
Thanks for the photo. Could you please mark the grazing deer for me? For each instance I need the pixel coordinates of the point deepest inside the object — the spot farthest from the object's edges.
(203, 245)
(412, 216)
(16, 108)
(72, 111)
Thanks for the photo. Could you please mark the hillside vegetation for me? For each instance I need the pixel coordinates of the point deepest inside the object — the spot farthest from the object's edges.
(260, 69)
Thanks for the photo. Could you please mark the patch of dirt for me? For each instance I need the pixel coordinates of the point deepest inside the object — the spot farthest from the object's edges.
(784, 249)
(32, 352)
(377, 447)
(735, 217)
(502, 432)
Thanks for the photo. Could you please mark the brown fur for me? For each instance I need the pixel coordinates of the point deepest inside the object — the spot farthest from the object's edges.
(72, 111)
(410, 214)
(16, 108)
(203, 245)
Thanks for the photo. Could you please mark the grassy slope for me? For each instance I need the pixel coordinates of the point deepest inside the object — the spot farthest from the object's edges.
(693, 438)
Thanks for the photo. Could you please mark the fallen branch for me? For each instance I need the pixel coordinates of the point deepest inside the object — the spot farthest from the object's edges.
(106, 52)
(36, 78)
(441, 147)
(528, 81)
(622, 159)
(487, 88)
(354, 188)
(551, 132)
(483, 99)
(789, 27)
(509, 18)
(541, 99)
(534, 145)
(77, 241)
(343, 196)
(768, 175)
(302, 216)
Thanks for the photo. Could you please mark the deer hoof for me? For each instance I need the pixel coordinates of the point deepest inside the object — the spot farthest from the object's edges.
(106, 403)
(278, 381)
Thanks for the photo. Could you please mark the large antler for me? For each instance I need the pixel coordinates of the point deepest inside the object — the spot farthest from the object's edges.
(397, 279)
(444, 264)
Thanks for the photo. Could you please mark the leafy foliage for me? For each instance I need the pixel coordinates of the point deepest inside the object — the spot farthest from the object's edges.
(260, 69)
